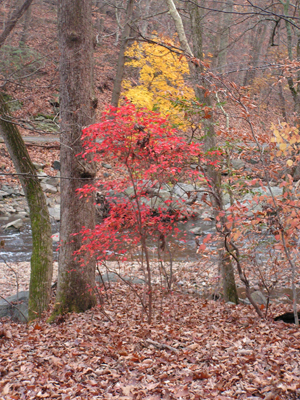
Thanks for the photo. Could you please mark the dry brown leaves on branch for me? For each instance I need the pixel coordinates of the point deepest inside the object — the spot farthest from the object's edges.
(194, 350)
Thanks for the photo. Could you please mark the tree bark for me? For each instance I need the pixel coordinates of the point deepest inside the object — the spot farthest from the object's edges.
(179, 26)
(121, 58)
(256, 48)
(23, 38)
(42, 257)
(77, 104)
(214, 176)
(226, 267)
(17, 14)
(224, 34)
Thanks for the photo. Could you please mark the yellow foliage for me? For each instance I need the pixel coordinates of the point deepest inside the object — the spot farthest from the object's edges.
(161, 80)
(288, 141)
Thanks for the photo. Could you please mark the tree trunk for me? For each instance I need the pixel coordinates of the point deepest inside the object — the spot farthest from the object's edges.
(214, 176)
(228, 280)
(75, 281)
(224, 34)
(42, 257)
(255, 53)
(23, 38)
(144, 11)
(121, 59)
(17, 14)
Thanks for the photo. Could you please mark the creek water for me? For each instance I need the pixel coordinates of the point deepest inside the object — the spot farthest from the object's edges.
(18, 244)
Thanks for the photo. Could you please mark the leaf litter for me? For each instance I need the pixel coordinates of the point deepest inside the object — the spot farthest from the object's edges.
(194, 349)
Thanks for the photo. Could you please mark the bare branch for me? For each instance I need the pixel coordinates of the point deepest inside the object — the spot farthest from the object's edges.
(17, 14)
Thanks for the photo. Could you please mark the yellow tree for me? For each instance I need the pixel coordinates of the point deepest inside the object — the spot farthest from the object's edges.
(161, 82)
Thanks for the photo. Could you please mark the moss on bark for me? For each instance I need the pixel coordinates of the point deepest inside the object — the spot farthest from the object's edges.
(42, 258)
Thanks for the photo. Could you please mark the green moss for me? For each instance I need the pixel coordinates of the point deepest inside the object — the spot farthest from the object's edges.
(46, 116)
(20, 61)
(12, 104)
(41, 260)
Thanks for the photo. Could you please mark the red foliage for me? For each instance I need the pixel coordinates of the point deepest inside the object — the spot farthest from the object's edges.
(148, 153)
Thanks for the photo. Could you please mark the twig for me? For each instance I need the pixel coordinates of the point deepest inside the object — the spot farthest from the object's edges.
(16, 274)
(13, 305)
(161, 346)
(243, 278)
(50, 146)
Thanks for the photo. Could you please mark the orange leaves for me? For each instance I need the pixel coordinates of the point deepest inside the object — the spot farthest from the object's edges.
(207, 238)
(201, 248)
(216, 355)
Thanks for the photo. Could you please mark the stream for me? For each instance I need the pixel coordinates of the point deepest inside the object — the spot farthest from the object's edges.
(18, 244)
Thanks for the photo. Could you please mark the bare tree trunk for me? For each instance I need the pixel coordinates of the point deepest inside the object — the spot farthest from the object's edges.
(17, 14)
(224, 34)
(294, 85)
(229, 286)
(75, 281)
(145, 11)
(256, 47)
(24, 34)
(42, 257)
(121, 59)
(228, 279)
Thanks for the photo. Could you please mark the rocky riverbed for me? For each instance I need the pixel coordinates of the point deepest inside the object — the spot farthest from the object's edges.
(15, 234)
(193, 274)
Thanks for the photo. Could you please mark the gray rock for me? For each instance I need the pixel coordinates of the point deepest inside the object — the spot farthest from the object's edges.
(107, 166)
(5, 214)
(196, 231)
(17, 224)
(9, 190)
(48, 188)
(55, 237)
(182, 189)
(238, 164)
(15, 307)
(10, 209)
(129, 191)
(259, 297)
(113, 277)
(55, 213)
(42, 175)
(3, 194)
(277, 191)
(52, 181)
(207, 214)
(226, 199)
(244, 301)
(22, 214)
(38, 165)
(56, 165)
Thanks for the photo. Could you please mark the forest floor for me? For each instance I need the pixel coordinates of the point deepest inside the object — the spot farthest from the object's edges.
(193, 349)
